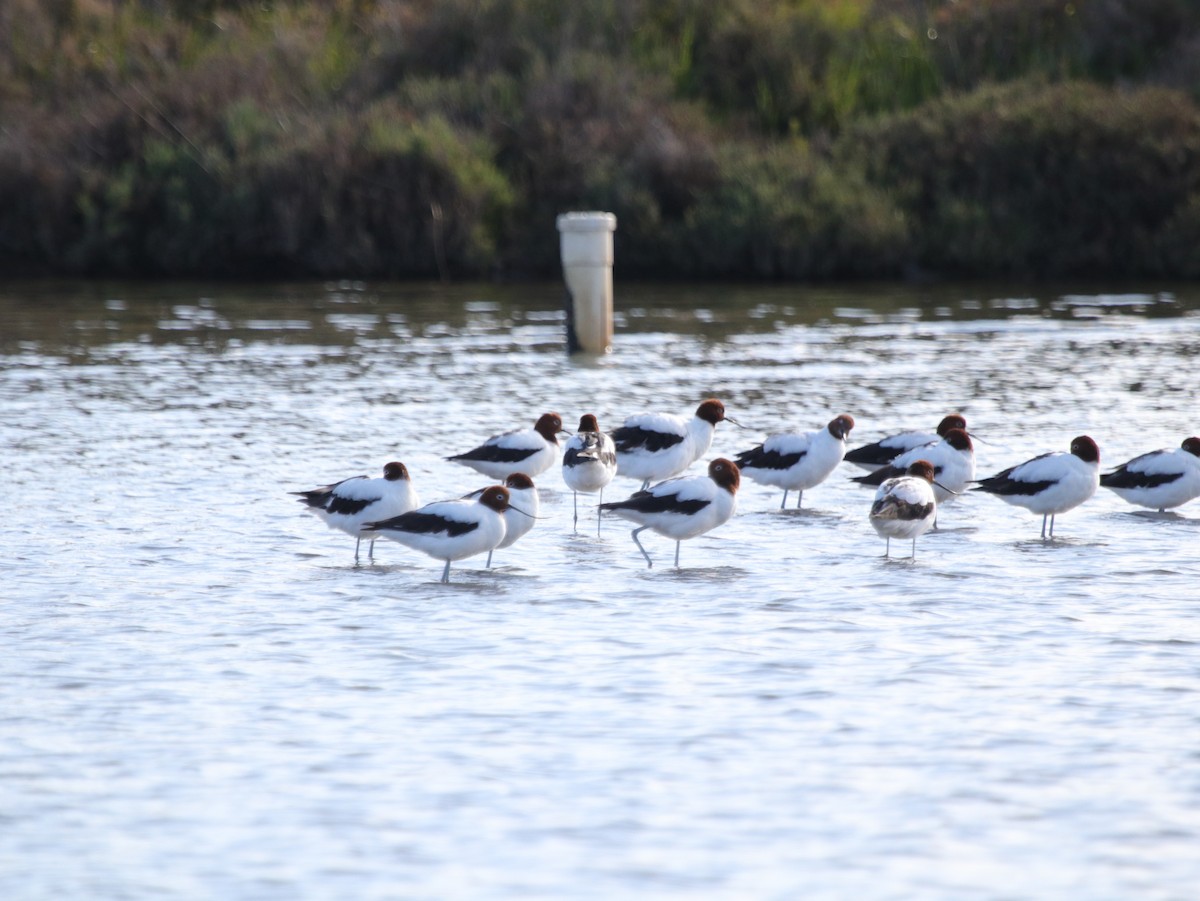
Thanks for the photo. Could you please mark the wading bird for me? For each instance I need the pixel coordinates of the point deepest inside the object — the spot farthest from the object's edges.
(1051, 483)
(682, 508)
(350, 503)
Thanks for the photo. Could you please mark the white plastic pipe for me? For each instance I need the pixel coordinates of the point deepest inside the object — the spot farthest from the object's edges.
(586, 246)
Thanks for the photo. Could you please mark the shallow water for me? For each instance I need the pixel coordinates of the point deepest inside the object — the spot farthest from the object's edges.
(204, 697)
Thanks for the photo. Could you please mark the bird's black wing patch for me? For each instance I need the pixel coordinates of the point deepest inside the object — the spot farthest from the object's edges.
(879, 476)
(629, 437)
(578, 456)
(425, 523)
(877, 454)
(903, 509)
(761, 458)
(349, 506)
(319, 497)
(1003, 483)
(648, 502)
(492, 453)
(1126, 478)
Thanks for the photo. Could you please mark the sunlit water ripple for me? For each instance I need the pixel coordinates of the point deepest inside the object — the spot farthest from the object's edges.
(204, 697)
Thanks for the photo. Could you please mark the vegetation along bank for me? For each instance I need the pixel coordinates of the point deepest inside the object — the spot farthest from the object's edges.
(777, 139)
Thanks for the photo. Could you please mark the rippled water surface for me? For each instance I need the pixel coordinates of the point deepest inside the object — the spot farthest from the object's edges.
(203, 696)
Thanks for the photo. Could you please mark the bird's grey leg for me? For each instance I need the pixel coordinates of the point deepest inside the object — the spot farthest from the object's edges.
(649, 562)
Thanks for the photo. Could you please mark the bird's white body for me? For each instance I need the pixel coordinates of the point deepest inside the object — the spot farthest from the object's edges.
(523, 508)
(683, 507)
(351, 503)
(894, 445)
(487, 530)
(589, 462)
(1067, 480)
(953, 459)
(904, 507)
(797, 461)
(656, 446)
(953, 468)
(451, 530)
(381, 499)
(885, 451)
(1051, 483)
(676, 519)
(1160, 479)
(531, 451)
(653, 465)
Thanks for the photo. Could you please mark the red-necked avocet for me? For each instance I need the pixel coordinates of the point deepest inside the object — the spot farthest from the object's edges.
(531, 451)
(350, 503)
(656, 446)
(797, 461)
(904, 506)
(885, 450)
(451, 530)
(1051, 483)
(589, 462)
(1160, 479)
(682, 508)
(953, 460)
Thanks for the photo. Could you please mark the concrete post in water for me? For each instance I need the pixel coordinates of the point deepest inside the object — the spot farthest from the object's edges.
(586, 245)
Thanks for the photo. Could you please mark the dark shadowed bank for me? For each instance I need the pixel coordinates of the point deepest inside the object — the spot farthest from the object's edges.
(790, 139)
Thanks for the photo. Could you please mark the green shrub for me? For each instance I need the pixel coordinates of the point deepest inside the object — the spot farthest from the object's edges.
(372, 193)
(592, 134)
(1105, 40)
(793, 68)
(779, 212)
(776, 138)
(1038, 179)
